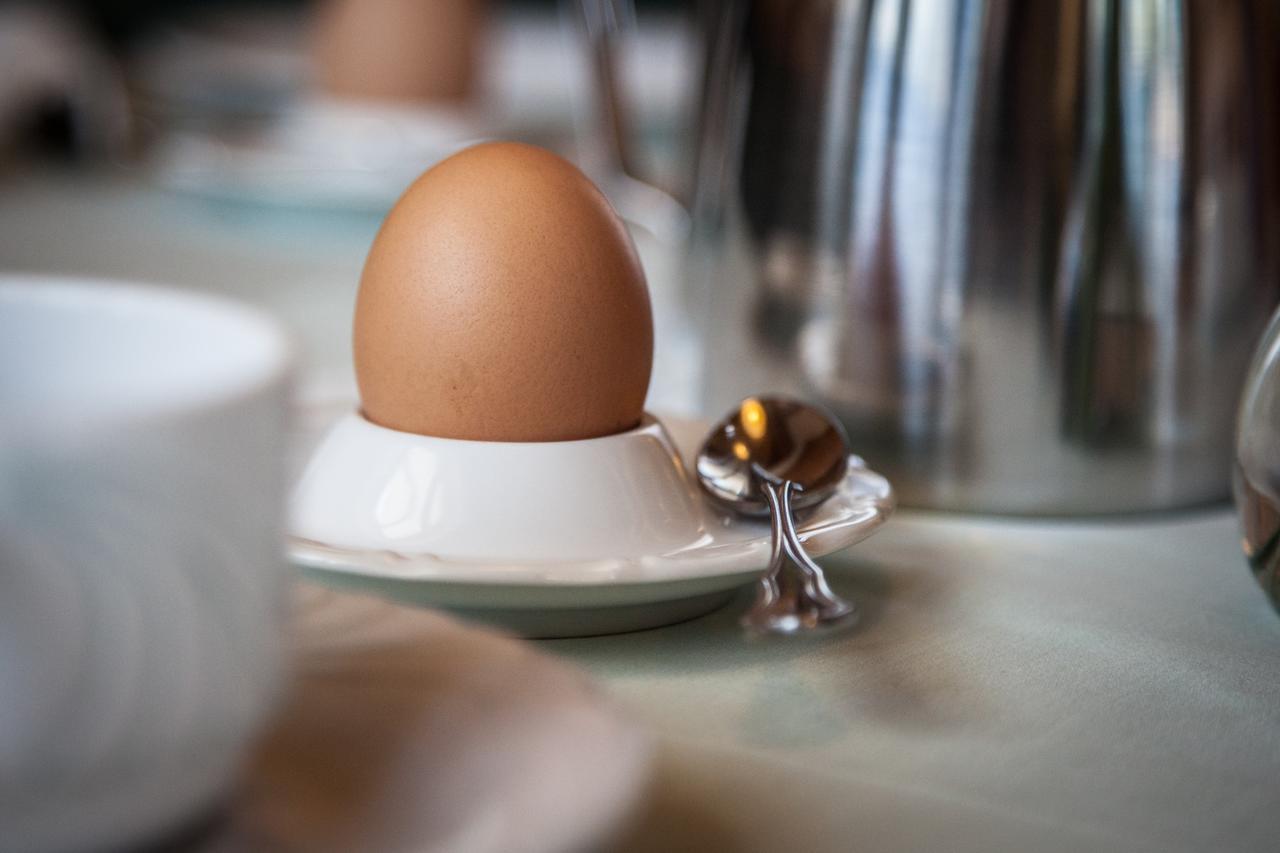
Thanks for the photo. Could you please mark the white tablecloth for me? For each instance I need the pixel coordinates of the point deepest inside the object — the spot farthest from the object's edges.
(1014, 685)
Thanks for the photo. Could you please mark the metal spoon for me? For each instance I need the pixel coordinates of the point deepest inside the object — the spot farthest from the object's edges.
(773, 456)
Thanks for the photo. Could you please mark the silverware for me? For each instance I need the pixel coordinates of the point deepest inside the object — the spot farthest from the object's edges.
(1022, 250)
(777, 456)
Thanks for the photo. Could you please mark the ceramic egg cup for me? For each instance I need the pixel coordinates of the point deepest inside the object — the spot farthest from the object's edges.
(623, 495)
(547, 539)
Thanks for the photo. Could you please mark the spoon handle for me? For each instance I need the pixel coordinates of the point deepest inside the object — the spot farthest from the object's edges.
(812, 603)
(814, 579)
(771, 608)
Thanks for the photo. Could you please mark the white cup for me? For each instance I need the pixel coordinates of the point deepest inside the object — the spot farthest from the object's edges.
(142, 583)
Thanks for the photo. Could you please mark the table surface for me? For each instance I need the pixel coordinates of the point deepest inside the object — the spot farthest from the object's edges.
(1013, 684)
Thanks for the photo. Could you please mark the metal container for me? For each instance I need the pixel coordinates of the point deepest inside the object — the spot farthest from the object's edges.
(1024, 250)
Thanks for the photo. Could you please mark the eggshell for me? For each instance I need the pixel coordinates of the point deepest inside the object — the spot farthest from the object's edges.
(503, 300)
(398, 50)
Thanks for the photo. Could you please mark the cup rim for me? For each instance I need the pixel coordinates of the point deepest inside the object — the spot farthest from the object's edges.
(276, 362)
(647, 422)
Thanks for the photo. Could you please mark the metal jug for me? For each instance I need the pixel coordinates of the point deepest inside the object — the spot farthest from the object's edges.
(1022, 249)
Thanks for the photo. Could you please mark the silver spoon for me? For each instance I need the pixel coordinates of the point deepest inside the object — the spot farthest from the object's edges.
(774, 456)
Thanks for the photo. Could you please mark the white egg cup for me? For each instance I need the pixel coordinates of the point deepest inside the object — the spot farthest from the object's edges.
(626, 495)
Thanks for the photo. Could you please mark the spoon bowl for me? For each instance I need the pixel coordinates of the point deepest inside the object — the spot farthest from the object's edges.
(772, 439)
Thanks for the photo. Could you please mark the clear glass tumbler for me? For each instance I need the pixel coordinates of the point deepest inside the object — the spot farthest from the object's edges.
(1256, 479)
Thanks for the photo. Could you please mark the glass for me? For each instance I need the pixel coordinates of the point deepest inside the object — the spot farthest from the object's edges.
(1256, 479)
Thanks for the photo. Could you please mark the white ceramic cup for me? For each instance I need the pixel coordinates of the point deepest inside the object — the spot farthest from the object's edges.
(142, 582)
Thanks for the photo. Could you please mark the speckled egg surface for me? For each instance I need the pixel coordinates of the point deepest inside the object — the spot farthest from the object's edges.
(503, 300)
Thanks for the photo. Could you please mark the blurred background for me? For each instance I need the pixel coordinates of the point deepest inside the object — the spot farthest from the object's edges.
(252, 148)
(88, 77)
(1023, 251)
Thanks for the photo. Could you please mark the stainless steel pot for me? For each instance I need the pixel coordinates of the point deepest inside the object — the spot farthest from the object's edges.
(1022, 249)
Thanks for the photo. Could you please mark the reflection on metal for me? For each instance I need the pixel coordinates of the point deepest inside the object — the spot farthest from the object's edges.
(751, 415)
(773, 439)
(1022, 249)
(777, 456)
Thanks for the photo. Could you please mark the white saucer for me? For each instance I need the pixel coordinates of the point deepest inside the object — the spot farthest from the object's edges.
(577, 597)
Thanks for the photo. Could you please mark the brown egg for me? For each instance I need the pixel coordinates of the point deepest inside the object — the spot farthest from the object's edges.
(398, 50)
(503, 301)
